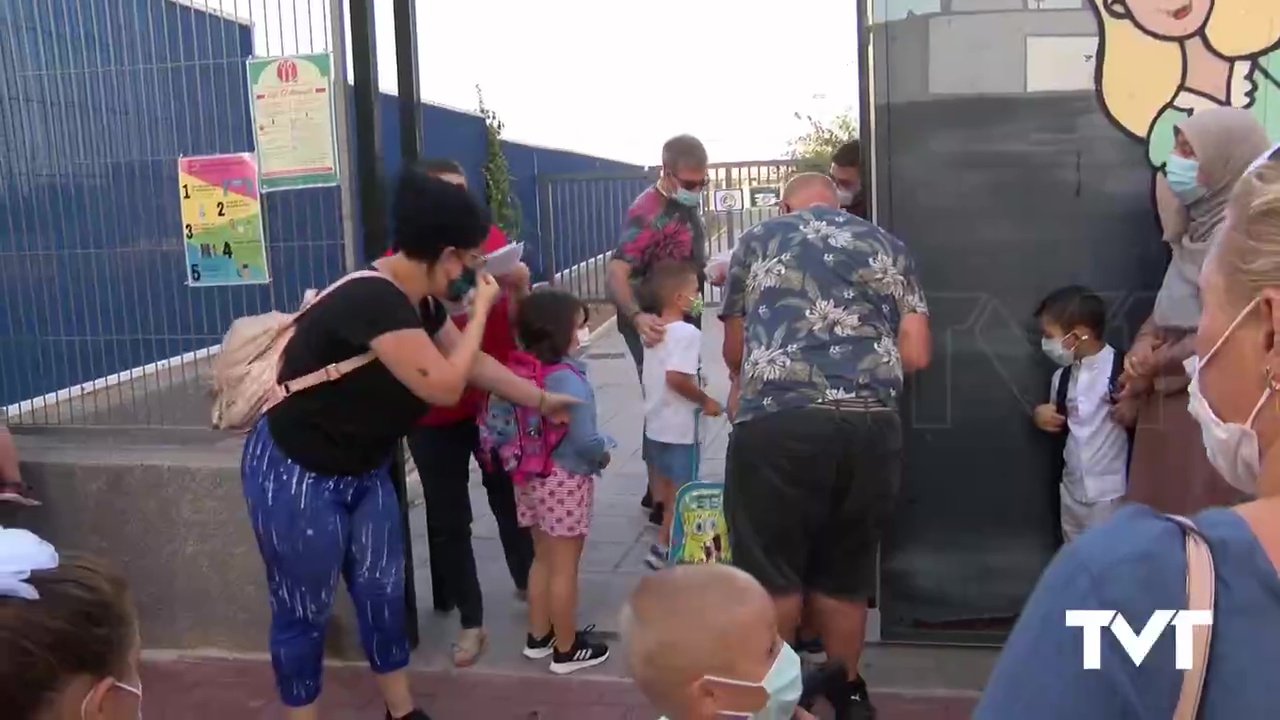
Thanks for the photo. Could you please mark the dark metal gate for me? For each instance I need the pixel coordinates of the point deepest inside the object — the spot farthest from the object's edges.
(581, 216)
(1005, 184)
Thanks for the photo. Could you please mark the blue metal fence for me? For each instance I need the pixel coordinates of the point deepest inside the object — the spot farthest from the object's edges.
(98, 99)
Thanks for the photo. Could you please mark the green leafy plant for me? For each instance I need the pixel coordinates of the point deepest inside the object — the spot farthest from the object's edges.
(813, 149)
(497, 173)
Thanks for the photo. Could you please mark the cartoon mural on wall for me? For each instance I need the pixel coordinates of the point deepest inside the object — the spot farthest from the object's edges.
(1162, 60)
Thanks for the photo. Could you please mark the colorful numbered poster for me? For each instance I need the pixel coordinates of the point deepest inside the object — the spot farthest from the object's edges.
(699, 533)
(292, 103)
(222, 220)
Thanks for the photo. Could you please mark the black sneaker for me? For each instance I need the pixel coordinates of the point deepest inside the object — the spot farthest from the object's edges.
(538, 648)
(655, 515)
(858, 706)
(415, 715)
(646, 502)
(583, 654)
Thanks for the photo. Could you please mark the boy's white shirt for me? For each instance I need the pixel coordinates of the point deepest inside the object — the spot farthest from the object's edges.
(1096, 457)
(669, 417)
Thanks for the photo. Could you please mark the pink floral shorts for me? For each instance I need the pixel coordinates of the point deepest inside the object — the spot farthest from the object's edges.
(559, 504)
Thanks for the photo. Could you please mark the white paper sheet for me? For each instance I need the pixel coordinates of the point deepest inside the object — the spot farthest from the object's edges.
(504, 260)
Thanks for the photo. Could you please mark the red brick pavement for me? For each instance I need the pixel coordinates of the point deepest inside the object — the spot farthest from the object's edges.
(243, 690)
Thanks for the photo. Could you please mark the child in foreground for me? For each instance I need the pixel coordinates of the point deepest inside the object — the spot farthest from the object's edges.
(672, 395)
(1096, 453)
(558, 507)
(68, 636)
(702, 644)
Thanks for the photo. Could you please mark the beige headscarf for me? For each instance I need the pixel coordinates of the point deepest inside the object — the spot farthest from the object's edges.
(1226, 141)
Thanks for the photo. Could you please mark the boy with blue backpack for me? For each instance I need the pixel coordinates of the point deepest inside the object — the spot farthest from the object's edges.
(553, 462)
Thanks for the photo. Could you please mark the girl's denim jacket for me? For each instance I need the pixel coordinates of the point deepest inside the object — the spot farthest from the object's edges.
(584, 447)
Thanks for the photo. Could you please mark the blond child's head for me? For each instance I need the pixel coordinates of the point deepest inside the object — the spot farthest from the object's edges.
(702, 643)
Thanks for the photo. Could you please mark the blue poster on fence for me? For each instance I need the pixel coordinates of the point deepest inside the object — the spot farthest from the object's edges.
(699, 533)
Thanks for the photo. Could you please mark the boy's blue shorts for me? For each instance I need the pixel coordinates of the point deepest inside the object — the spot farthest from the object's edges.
(675, 462)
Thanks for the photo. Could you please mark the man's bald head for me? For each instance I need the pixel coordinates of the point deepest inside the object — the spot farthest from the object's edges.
(687, 622)
(808, 189)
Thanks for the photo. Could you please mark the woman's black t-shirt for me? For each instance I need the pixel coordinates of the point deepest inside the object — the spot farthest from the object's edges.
(350, 425)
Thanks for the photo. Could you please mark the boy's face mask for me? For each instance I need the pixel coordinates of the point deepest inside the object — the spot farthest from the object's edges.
(1062, 351)
(784, 683)
(84, 705)
(695, 305)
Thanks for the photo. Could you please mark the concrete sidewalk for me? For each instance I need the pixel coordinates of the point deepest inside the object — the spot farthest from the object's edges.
(932, 681)
(907, 683)
(620, 534)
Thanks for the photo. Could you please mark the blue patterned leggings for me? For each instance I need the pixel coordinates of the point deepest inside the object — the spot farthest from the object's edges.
(310, 528)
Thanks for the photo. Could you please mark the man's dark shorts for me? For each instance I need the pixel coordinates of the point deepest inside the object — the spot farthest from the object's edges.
(807, 494)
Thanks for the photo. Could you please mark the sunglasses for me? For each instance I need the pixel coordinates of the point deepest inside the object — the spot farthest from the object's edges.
(690, 184)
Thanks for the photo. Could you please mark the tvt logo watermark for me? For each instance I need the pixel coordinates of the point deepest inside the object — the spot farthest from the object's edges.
(1137, 645)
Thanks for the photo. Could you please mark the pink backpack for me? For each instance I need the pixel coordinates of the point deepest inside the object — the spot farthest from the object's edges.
(243, 380)
(520, 438)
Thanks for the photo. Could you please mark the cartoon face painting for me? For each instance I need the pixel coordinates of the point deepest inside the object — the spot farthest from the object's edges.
(705, 539)
(1160, 61)
(1170, 19)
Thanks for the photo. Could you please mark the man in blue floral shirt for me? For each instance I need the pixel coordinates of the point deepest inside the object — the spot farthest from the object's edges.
(823, 314)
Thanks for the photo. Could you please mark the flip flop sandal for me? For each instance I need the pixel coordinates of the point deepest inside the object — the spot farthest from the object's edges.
(17, 493)
(470, 646)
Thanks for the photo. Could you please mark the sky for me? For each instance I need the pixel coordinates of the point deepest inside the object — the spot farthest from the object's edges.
(614, 83)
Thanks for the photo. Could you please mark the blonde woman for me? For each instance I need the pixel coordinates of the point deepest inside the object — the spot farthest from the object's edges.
(1136, 563)
(1163, 60)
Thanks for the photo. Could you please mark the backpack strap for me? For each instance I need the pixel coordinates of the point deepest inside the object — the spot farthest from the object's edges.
(332, 371)
(1117, 369)
(548, 369)
(311, 297)
(1200, 592)
(1060, 397)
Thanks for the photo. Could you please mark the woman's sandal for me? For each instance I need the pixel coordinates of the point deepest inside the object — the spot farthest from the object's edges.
(470, 646)
(17, 492)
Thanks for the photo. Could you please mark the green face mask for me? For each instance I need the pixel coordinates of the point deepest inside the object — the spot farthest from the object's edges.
(695, 308)
(461, 285)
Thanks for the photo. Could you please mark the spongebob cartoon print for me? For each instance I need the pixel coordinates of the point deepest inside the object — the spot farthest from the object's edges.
(1160, 61)
(699, 534)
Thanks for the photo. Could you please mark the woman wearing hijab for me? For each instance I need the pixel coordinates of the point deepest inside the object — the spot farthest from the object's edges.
(1169, 470)
(1142, 563)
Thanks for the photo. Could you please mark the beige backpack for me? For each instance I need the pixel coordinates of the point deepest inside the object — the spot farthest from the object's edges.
(243, 378)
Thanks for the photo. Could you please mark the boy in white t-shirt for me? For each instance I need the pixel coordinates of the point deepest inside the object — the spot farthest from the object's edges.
(672, 394)
(1095, 453)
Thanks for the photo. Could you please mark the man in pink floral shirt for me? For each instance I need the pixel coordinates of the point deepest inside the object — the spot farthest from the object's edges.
(662, 224)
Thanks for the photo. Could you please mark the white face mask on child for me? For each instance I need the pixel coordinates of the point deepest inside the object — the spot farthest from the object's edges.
(784, 683)
(84, 705)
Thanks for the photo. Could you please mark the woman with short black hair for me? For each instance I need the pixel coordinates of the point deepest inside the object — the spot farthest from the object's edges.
(316, 467)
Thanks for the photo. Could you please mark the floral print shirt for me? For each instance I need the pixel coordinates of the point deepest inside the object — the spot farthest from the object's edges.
(658, 228)
(821, 293)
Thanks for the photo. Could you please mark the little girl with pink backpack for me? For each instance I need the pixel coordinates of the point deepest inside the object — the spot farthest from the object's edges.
(554, 462)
